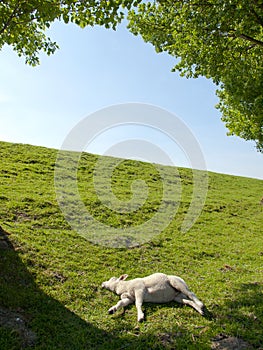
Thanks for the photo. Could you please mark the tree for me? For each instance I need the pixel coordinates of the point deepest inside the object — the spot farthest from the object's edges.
(23, 22)
(220, 40)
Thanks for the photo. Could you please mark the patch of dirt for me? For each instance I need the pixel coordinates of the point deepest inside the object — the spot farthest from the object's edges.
(223, 342)
(227, 268)
(15, 321)
(167, 338)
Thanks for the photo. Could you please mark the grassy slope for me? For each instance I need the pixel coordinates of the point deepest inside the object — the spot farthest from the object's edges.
(52, 276)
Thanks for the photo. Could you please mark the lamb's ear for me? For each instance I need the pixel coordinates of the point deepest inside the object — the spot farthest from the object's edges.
(123, 277)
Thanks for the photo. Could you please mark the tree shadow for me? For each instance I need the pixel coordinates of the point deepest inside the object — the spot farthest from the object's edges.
(31, 319)
(244, 314)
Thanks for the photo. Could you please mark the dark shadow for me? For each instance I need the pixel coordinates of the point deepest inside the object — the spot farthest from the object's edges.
(245, 313)
(30, 319)
(26, 312)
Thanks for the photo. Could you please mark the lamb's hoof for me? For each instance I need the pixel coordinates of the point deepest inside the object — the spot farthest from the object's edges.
(206, 313)
(112, 310)
(141, 319)
(202, 310)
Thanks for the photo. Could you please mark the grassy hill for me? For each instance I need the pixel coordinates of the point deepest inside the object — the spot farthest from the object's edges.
(50, 276)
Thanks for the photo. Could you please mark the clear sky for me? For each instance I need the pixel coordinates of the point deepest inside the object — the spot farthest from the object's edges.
(95, 68)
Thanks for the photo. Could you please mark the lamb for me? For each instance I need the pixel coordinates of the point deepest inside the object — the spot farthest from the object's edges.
(156, 288)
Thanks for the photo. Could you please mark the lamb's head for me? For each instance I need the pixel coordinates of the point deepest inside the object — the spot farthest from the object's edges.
(112, 283)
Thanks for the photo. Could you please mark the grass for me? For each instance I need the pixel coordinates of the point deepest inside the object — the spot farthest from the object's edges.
(50, 276)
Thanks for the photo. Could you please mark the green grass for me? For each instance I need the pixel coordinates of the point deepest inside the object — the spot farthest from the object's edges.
(52, 275)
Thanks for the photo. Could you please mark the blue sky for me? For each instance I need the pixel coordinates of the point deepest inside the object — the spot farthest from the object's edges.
(95, 68)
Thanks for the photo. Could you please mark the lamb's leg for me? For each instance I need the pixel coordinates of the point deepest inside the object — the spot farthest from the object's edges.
(186, 297)
(125, 300)
(183, 299)
(138, 303)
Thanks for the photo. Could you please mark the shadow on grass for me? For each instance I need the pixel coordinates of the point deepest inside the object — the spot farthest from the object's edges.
(30, 319)
(244, 314)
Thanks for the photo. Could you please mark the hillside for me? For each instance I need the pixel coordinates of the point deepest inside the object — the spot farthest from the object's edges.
(50, 276)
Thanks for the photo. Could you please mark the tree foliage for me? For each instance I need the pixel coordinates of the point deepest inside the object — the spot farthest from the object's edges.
(218, 39)
(23, 22)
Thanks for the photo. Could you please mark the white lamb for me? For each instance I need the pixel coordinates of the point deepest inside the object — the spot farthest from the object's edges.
(156, 288)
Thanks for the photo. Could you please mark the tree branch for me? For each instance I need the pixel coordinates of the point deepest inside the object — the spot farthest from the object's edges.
(259, 19)
(11, 17)
(252, 40)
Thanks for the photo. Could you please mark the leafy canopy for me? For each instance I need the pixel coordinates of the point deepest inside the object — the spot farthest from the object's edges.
(217, 39)
(220, 40)
(23, 22)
